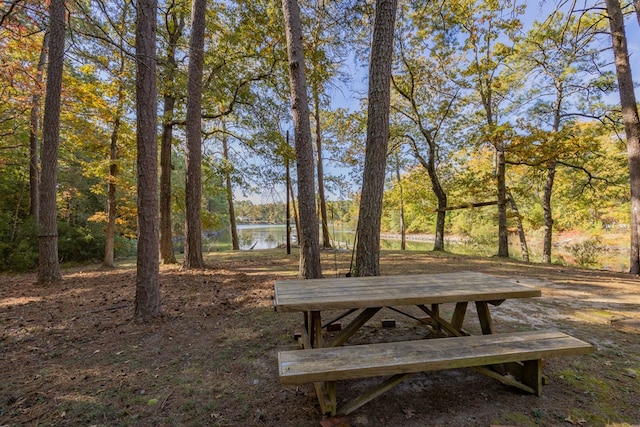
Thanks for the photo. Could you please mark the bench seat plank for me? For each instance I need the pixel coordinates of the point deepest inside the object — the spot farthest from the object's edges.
(370, 360)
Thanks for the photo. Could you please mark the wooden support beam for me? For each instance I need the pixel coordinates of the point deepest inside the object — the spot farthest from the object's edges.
(458, 315)
(368, 396)
(484, 315)
(353, 327)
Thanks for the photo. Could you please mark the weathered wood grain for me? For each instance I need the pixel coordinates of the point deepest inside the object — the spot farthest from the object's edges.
(382, 291)
(370, 360)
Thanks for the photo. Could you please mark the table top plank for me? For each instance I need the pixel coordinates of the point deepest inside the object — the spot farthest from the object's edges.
(381, 291)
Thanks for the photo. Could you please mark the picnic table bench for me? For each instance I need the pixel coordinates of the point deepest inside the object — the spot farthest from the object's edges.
(512, 358)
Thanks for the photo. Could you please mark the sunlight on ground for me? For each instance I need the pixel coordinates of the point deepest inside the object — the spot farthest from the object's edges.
(11, 302)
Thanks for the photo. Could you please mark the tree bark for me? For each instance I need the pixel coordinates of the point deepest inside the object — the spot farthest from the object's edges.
(166, 143)
(147, 299)
(235, 243)
(175, 26)
(322, 202)
(110, 234)
(368, 231)
(430, 165)
(308, 233)
(548, 216)
(503, 233)
(403, 234)
(523, 238)
(631, 123)
(48, 263)
(34, 130)
(294, 208)
(193, 191)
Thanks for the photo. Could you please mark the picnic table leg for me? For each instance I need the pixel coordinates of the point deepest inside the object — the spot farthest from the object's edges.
(532, 375)
(458, 315)
(484, 315)
(435, 308)
(326, 393)
(312, 330)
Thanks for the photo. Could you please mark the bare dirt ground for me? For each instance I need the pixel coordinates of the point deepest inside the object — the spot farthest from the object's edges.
(71, 356)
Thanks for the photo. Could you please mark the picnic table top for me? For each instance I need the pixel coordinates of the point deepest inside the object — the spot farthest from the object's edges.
(384, 291)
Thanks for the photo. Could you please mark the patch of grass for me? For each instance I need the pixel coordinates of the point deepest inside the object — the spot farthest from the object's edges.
(516, 419)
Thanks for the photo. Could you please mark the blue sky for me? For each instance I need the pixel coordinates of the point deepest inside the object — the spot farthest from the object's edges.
(349, 95)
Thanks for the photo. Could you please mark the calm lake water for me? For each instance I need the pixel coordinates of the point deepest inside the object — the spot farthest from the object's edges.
(259, 236)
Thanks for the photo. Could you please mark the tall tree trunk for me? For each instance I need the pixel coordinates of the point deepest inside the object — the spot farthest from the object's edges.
(631, 123)
(235, 243)
(147, 299)
(48, 263)
(288, 207)
(523, 238)
(403, 234)
(110, 235)
(34, 130)
(548, 215)
(166, 142)
(296, 218)
(109, 247)
(175, 26)
(326, 238)
(308, 233)
(503, 232)
(438, 245)
(193, 191)
(368, 232)
(430, 165)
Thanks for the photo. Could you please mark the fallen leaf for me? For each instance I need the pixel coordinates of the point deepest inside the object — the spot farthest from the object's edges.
(408, 412)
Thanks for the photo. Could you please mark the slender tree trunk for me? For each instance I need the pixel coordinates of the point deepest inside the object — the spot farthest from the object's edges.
(523, 238)
(175, 25)
(308, 234)
(636, 5)
(235, 243)
(486, 94)
(110, 235)
(166, 142)
(503, 232)
(441, 216)
(631, 124)
(296, 218)
(34, 130)
(147, 299)
(430, 165)
(548, 215)
(193, 192)
(403, 234)
(326, 238)
(288, 207)
(48, 263)
(368, 233)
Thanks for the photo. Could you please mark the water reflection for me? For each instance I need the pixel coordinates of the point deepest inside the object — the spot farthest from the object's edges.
(263, 236)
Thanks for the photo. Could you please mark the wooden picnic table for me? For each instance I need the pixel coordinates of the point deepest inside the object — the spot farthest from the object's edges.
(514, 359)
(370, 294)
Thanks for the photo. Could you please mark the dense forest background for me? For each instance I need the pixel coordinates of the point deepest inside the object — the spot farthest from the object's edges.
(486, 94)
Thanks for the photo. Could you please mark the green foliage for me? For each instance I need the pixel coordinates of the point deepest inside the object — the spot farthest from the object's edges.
(80, 243)
(18, 245)
(586, 253)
